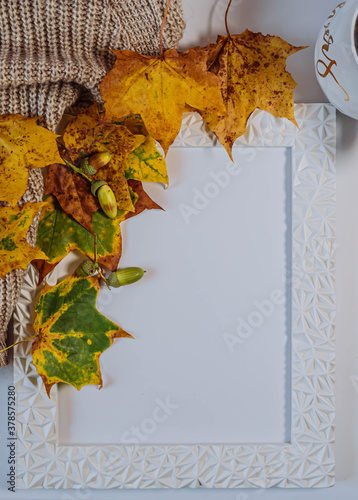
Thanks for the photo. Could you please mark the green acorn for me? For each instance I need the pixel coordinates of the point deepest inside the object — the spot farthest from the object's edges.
(91, 164)
(106, 198)
(87, 269)
(125, 276)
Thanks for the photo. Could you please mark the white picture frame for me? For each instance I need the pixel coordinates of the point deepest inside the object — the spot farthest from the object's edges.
(308, 460)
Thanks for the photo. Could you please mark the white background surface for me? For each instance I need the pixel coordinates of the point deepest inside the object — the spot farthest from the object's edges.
(299, 23)
(209, 275)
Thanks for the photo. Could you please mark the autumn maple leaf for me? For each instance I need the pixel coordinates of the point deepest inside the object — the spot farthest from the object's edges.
(252, 74)
(88, 133)
(15, 252)
(73, 193)
(59, 233)
(23, 145)
(145, 163)
(158, 88)
(142, 201)
(71, 333)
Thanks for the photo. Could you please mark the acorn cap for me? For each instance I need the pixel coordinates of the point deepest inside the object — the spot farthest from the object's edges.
(86, 268)
(86, 167)
(95, 185)
(113, 280)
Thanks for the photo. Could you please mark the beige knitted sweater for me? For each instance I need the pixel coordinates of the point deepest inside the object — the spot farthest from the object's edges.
(53, 55)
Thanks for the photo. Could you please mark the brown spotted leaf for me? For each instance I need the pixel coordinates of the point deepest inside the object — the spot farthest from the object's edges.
(88, 133)
(115, 176)
(252, 73)
(73, 193)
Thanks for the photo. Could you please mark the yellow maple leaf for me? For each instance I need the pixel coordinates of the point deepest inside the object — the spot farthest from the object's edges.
(15, 252)
(252, 74)
(23, 145)
(158, 88)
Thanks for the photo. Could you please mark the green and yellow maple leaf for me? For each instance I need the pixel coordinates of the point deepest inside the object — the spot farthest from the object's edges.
(23, 145)
(145, 163)
(58, 234)
(71, 334)
(15, 252)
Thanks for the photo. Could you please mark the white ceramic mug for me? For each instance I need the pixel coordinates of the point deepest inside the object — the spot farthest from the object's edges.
(336, 58)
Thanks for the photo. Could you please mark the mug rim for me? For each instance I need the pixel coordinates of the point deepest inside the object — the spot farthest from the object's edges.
(353, 44)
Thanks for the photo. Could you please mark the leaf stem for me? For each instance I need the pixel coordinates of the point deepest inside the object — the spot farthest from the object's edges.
(95, 248)
(162, 28)
(99, 270)
(16, 343)
(76, 169)
(226, 23)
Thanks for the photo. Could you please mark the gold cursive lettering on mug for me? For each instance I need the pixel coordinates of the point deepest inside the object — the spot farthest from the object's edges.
(326, 64)
(342, 4)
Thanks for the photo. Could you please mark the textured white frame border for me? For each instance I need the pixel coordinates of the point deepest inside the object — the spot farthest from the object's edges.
(308, 460)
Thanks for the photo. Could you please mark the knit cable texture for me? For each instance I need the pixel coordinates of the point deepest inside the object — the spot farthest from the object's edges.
(53, 55)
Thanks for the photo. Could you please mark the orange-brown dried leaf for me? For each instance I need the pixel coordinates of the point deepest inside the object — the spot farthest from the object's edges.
(73, 193)
(23, 145)
(158, 88)
(44, 268)
(142, 200)
(251, 68)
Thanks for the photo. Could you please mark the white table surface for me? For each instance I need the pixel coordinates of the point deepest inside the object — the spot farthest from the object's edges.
(299, 23)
